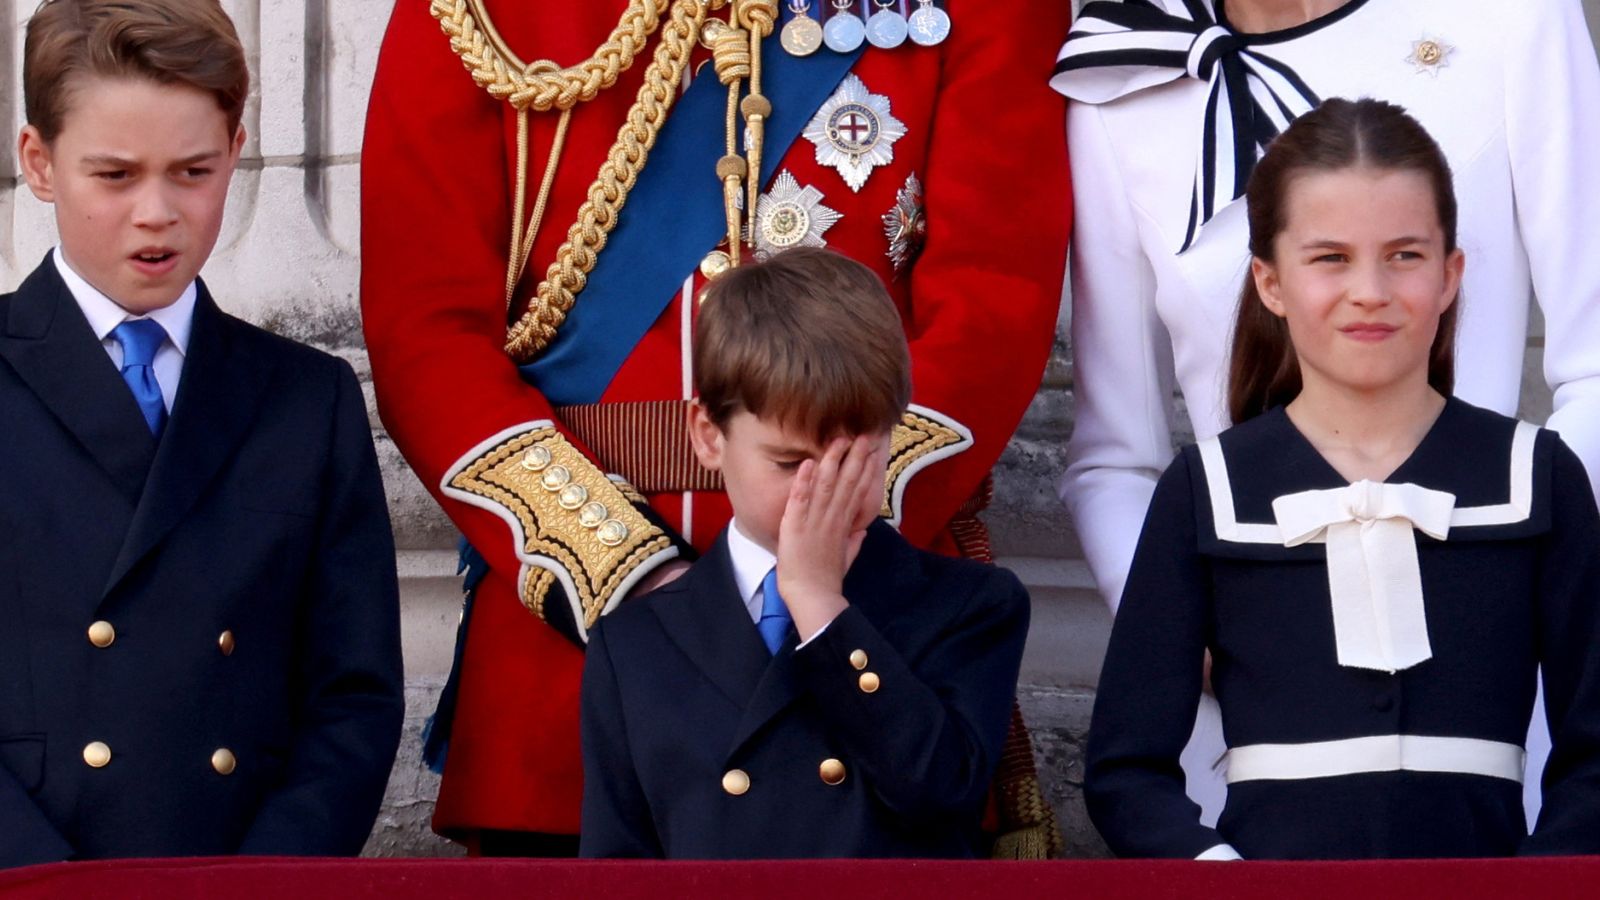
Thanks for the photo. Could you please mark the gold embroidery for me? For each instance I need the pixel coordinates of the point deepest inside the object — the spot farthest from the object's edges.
(535, 588)
(916, 437)
(597, 552)
(629, 491)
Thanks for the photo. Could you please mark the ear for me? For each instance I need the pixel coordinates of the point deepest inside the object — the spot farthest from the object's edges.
(237, 146)
(1455, 265)
(705, 436)
(1267, 285)
(37, 163)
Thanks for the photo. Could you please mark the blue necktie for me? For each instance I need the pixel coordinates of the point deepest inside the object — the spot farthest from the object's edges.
(140, 339)
(775, 621)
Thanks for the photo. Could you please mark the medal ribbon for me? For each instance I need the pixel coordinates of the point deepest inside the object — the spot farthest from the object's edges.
(1119, 48)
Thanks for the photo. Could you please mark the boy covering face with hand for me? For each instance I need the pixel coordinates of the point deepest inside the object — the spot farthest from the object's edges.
(814, 686)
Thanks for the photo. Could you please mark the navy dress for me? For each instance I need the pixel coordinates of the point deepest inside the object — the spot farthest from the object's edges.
(1336, 761)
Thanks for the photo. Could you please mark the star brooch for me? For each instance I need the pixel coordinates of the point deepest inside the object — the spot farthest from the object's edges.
(1429, 54)
(854, 132)
(789, 215)
(905, 225)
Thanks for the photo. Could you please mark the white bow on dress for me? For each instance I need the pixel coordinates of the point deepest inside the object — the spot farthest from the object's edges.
(1373, 577)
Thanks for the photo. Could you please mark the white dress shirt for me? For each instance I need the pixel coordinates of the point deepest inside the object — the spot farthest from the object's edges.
(104, 315)
(751, 563)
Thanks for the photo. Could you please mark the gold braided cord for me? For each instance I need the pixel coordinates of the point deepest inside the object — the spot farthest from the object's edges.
(576, 257)
(730, 49)
(736, 57)
(757, 17)
(522, 239)
(543, 85)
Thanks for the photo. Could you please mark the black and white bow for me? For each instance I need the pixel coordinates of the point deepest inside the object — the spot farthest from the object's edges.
(1117, 48)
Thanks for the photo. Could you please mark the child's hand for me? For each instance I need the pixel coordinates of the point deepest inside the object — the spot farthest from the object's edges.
(831, 503)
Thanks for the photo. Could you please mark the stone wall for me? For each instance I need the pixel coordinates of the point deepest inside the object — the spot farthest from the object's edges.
(288, 258)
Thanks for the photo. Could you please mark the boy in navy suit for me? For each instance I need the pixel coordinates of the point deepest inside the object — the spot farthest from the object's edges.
(199, 635)
(814, 686)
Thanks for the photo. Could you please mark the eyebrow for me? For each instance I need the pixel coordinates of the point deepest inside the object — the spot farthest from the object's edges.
(1331, 244)
(118, 162)
(785, 450)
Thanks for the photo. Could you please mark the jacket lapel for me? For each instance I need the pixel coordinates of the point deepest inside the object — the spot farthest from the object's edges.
(49, 343)
(713, 628)
(777, 689)
(222, 386)
(881, 575)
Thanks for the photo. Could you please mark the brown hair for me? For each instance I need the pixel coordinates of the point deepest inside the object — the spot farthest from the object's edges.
(187, 42)
(1340, 134)
(808, 337)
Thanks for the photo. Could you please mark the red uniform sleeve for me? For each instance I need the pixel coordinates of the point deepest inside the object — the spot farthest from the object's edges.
(435, 230)
(987, 287)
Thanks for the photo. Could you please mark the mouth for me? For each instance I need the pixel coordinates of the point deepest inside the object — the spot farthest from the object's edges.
(154, 260)
(1368, 331)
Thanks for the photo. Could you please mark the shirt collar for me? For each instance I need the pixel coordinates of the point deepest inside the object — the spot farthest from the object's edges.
(104, 314)
(751, 562)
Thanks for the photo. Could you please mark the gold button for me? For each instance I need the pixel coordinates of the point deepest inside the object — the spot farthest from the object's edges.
(735, 782)
(536, 459)
(555, 478)
(710, 31)
(715, 263)
(101, 634)
(832, 771)
(611, 532)
(869, 682)
(858, 659)
(1428, 52)
(225, 643)
(592, 514)
(96, 754)
(223, 761)
(573, 496)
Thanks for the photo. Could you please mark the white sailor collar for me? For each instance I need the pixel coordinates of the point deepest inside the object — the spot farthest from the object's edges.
(1494, 469)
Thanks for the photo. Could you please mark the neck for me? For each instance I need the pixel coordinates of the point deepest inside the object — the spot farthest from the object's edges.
(1260, 16)
(1365, 434)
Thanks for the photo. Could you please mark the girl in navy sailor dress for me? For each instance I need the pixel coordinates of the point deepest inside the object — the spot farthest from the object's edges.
(1376, 570)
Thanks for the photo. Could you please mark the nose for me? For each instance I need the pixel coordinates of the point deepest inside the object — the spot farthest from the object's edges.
(1369, 285)
(154, 208)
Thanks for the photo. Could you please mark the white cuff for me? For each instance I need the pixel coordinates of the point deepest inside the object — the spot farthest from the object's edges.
(1221, 852)
(815, 636)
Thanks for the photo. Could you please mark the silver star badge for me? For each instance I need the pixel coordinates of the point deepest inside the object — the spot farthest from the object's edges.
(854, 132)
(1429, 54)
(905, 225)
(789, 215)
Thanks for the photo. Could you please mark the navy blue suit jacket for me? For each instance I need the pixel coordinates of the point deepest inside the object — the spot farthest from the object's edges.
(259, 513)
(681, 702)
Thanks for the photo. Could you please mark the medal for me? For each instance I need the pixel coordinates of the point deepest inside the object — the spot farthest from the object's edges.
(844, 31)
(854, 132)
(886, 28)
(930, 25)
(789, 215)
(801, 36)
(1429, 54)
(905, 225)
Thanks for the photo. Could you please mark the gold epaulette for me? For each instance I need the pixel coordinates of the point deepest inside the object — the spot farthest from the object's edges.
(574, 527)
(923, 437)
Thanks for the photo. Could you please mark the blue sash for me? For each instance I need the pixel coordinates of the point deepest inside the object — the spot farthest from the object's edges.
(672, 218)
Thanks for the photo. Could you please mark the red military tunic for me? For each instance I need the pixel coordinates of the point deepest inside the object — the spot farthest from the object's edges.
(982, 134)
